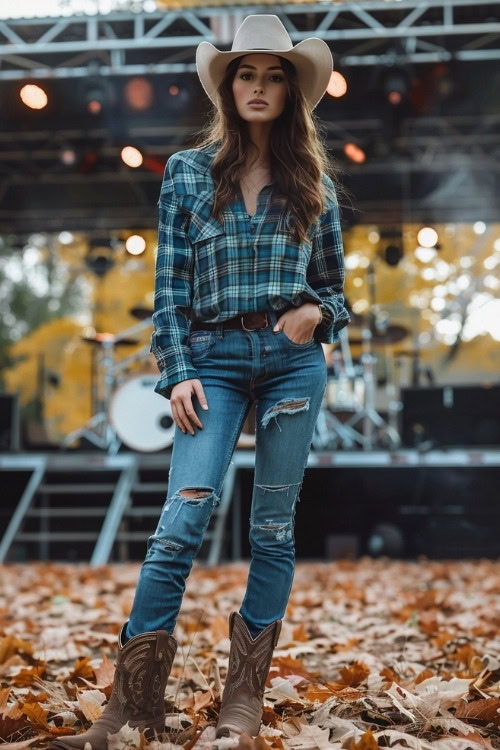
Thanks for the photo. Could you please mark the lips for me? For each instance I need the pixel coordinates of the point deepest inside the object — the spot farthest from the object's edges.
(257, 101)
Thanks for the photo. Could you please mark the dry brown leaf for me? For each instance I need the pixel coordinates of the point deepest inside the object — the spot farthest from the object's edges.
(90, 702)
(10, 645)
(201, 700)
(355, 674)
(487, 709)
(82, 668)
(367, 741)
(28, 676)
(285, 665)
(105, 672)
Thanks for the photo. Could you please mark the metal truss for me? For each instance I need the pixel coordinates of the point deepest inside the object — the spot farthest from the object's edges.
(365, 32)
(459, 145)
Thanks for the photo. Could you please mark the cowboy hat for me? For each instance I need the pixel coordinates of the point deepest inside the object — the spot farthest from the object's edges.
(265, 33)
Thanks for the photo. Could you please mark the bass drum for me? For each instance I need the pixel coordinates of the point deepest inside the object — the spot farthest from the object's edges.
(141, 418)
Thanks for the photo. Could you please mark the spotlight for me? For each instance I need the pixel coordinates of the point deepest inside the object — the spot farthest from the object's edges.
(395, 82)
(135, 244)
(99, 258)
(131, 156)
(354, 153)
(33, 96)
(96, 95)
(337, 86)
(138, 94)
(392, 255)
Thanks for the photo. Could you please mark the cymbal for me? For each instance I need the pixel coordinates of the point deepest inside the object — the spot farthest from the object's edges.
(390, 335)
(407, 353)
(141, 313)
(101, 338)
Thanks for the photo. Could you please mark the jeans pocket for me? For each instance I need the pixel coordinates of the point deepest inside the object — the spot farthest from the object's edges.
(294, 343)
(200, 344)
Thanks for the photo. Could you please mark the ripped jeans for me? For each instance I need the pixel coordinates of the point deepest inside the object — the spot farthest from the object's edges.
(288, 381)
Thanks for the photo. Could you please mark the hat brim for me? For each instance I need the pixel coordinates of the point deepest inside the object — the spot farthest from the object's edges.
(311, 57)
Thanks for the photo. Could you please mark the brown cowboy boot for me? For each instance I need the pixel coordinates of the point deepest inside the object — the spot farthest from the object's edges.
(249, 663)
(137, 697)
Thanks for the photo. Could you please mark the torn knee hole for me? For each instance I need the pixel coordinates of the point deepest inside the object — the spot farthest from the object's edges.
(194, 494)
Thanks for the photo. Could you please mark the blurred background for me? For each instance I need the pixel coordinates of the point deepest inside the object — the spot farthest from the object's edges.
(94, 98)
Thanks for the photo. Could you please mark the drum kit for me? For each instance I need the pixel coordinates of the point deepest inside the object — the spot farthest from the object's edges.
(348, 417)
(126, 409)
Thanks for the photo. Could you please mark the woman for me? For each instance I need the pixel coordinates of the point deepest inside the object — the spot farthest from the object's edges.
(248, 285)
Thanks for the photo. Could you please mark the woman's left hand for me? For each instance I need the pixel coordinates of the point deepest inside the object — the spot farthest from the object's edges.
(299, 322)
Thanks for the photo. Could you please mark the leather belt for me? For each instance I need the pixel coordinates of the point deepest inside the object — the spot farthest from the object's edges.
(247, 322)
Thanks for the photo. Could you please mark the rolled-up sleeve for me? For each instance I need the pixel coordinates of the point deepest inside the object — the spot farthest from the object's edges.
(173, 290)
(325, 271)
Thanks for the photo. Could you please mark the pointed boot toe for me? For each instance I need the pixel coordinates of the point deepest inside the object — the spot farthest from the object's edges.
(138, 692)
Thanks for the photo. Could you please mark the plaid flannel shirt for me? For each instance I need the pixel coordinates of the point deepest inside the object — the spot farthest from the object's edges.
(212, 271)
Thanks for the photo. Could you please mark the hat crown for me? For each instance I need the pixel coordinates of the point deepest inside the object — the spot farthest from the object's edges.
(262, 32)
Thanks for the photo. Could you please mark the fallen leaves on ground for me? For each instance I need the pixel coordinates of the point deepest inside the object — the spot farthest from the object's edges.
(372, 654)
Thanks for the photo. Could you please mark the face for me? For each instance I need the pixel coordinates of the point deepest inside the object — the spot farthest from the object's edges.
(260, 76)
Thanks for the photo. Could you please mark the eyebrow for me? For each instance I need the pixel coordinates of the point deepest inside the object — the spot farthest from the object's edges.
(273, 67)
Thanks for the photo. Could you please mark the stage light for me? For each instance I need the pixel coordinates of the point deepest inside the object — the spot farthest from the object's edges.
(131, 156)
(490, 262)
(338, 85)
(67, 156)
(354, 153)
(135, 244)
(96, 94)
(466, 261)
(491, 281)
(65, 238)
(425, 254)
(395, 82)
(479, 227)
(427, 237)
(392, 254)
(438, 303)
(463, 282)
(138, 94)
(33, 96)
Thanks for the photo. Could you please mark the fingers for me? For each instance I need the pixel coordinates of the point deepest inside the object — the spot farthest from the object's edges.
(182, 406)
(200, 393)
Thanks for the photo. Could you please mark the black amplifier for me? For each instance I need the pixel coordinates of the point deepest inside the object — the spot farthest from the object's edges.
(457, 415)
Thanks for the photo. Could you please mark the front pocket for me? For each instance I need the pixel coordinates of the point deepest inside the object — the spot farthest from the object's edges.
(294, 343)
(200, 344)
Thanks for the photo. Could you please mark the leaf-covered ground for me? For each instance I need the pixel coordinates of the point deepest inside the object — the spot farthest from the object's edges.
(372, 653)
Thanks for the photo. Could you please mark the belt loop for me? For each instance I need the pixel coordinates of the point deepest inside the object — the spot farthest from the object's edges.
(219, 331)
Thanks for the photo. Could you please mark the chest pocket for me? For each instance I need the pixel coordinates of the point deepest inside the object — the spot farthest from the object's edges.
(206, 235)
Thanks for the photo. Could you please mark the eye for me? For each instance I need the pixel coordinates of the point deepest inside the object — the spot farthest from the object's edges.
(275, 75)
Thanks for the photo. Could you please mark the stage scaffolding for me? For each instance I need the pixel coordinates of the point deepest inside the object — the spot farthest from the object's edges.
(122, 484)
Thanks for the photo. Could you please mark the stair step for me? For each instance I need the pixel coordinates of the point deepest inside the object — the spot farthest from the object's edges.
(60, 512)
(81, 487)
(150, 487)
(57, 536)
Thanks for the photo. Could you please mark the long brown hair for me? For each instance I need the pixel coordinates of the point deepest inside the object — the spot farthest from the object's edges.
(298, 156)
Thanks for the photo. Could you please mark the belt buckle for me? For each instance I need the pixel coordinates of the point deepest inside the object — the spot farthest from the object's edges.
(253, 329)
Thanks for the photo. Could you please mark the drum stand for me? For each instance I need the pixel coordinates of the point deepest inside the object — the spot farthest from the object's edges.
(327, 421)
(368, 413)
(98, 429)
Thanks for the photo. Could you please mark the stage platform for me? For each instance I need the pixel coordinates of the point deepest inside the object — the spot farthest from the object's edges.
(104, 503)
